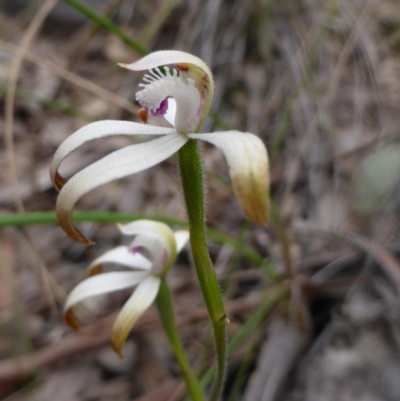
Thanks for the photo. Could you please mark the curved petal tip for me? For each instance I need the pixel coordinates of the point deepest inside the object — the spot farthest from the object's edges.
(248, 166)
(137, 304)
(76, 235)
(71, 231)
(59, 181)
(94, 270)
(71, 320)
(117, 345)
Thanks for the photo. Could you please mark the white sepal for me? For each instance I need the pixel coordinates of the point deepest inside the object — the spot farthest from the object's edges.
(100, 129)
(248, 167)
(100, 284)
(120, 255)
(167, 57)
(147, 227)
(119, 164)
(136, 305)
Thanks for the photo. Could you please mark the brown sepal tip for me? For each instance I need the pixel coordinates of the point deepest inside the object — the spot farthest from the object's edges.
(76, 235)
(95, 270)
(117, 350)
(59, 181)
(71, 320)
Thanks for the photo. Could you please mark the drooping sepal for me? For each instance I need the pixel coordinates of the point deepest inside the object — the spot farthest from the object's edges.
(118, 164)
(248, 168)
(136, 305)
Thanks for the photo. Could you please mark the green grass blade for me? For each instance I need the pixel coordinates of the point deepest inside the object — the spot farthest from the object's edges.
(108, 25)
(38, 218)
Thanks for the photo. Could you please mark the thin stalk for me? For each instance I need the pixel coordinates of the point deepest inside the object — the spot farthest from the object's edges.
(34, 218)
(191, 170)
(166, 310)
(38, 218)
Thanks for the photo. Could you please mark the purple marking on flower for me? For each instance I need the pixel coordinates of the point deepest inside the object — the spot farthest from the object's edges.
(136, 249)
(162, 108)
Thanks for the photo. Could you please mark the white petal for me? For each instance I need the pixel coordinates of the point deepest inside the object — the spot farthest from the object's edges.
(101, 284)
(167, 57)
(136, 305)
(157, 238)
(187, 111)
(195, 69)
(248, 167)
(171, 111)
(118, 164)
(148, 227)
(163, 87)
(121, 255)
(96, 130)
(181, 238)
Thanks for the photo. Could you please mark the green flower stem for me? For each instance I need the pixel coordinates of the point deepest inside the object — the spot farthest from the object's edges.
(191, 170)
(166, 310)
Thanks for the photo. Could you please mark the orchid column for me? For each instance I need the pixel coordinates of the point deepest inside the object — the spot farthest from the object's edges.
(176, 97)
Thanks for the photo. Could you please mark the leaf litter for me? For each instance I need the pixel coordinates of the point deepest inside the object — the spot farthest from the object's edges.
(323, 78)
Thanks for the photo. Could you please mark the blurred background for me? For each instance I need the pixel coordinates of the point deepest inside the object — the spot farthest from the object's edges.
(319, 82)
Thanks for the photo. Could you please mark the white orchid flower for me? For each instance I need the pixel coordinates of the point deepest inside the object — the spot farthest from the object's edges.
(150, 255)
(176, 99)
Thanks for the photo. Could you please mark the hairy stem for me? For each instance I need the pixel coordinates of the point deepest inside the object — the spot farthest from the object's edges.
(191, 170)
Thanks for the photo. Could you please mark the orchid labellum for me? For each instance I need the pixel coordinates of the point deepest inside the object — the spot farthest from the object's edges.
(176, 96)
